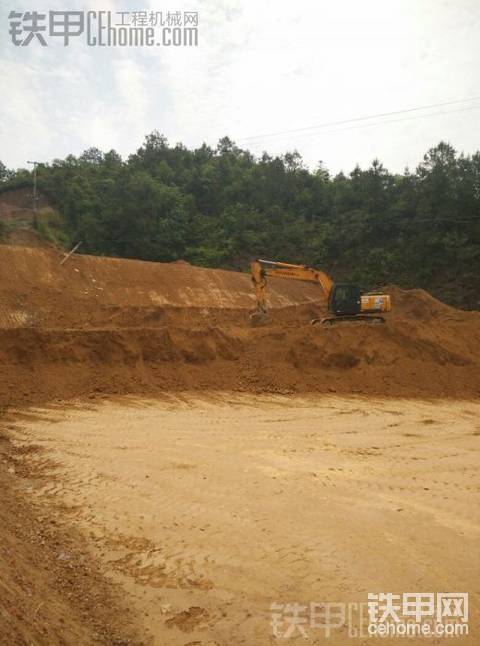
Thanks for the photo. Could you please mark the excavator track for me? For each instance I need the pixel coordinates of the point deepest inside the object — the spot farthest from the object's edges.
(356, 318)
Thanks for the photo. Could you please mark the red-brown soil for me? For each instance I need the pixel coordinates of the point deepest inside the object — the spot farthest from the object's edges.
(104, 325)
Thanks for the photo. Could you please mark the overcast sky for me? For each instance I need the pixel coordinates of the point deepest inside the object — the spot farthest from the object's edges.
(262, 66)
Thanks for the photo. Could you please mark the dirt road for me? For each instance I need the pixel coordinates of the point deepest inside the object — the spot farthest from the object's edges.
(209, 508)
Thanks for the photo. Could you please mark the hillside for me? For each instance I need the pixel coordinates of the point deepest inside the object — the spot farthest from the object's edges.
(220, 207)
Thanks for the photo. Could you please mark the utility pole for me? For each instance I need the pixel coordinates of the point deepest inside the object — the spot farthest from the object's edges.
(35, 197)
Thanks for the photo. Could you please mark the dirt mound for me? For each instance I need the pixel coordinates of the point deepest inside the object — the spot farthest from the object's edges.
(420, 305)
(109, 325)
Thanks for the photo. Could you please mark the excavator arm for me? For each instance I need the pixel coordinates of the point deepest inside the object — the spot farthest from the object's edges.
(263, 268)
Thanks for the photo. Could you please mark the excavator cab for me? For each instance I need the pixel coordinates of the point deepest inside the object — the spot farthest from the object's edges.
(345, 300)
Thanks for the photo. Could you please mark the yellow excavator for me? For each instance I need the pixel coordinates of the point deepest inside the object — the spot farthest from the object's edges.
(346, 302)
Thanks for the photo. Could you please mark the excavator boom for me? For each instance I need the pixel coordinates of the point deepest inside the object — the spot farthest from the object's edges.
(263, 268)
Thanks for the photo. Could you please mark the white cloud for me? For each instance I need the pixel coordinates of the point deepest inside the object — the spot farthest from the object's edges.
(260, 67)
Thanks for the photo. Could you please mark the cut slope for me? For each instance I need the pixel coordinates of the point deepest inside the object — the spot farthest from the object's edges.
(37, 276)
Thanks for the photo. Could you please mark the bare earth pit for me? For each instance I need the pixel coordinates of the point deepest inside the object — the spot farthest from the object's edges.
(209, 508)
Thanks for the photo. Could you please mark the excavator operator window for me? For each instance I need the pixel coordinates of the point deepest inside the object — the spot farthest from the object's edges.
(345, 299)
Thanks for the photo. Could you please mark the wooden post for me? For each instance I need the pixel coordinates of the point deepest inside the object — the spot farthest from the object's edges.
(71, 252)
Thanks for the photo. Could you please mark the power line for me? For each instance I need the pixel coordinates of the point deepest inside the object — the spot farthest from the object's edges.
(381, 123)
(364, 118)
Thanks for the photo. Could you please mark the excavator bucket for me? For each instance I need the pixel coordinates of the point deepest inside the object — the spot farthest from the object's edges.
(258, 318)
